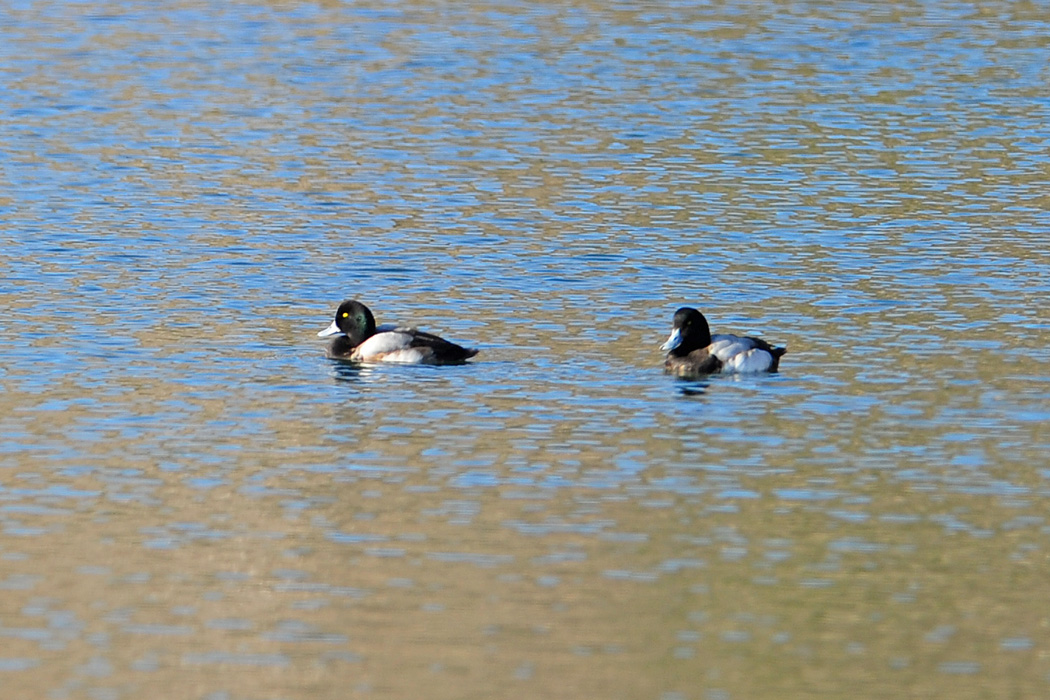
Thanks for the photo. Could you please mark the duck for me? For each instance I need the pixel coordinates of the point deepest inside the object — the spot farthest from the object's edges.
(360, 340)
(692, 350)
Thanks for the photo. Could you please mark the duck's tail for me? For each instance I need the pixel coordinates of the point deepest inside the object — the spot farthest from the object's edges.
(777, 353)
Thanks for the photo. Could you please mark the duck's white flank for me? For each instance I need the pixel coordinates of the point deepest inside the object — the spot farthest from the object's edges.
(390, 346)
(739, 354)
(410, 356)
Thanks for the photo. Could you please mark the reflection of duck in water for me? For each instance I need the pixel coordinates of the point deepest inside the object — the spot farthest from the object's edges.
(691, 349)
(361, 341)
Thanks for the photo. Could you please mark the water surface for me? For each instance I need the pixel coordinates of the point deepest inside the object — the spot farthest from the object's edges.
(195, 503)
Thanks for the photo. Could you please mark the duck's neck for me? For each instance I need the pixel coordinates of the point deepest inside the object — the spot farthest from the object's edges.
(341, 345)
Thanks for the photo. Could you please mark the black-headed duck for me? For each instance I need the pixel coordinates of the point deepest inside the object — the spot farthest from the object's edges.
(361, 341)
(691, 349)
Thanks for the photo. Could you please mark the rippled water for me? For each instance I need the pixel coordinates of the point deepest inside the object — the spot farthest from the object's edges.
(195, 503)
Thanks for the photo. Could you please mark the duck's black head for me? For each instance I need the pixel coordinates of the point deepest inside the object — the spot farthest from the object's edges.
(353, 319)
(689, 331)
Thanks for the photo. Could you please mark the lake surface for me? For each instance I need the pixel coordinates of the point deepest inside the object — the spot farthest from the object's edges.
(195, 503)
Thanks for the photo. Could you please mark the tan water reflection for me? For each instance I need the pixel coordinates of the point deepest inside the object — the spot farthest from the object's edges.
(239, 572)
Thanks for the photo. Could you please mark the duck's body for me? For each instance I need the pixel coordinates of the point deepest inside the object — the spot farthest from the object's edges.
(693, 350)
(360, 340)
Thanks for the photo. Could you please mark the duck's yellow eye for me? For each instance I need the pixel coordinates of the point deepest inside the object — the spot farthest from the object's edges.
(345, 314)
